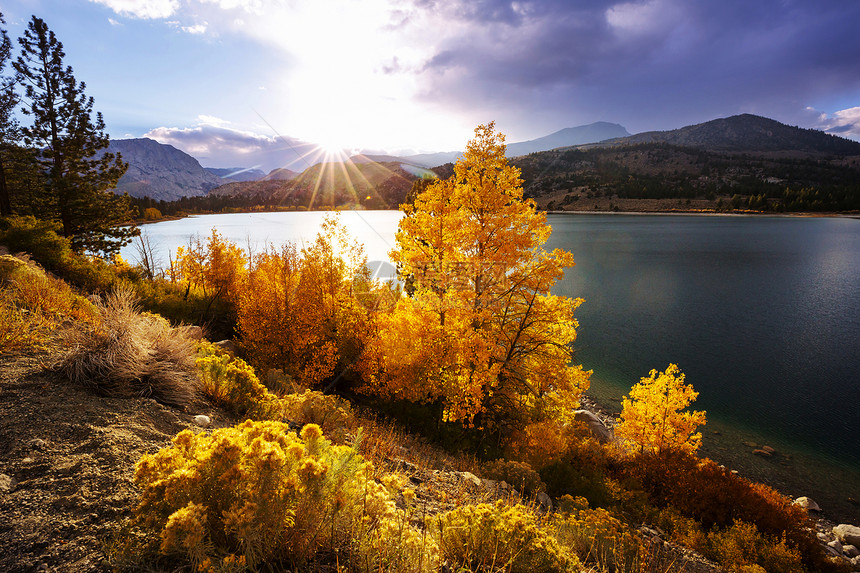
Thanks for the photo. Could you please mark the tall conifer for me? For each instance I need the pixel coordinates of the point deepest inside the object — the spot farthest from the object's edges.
(80, 174)
(8, 126)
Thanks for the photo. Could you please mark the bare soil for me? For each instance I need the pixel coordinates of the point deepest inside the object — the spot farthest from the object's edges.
(70, 456)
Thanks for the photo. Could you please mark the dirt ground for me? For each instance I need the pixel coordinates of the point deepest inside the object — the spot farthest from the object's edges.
(69, 457)
(67, 464)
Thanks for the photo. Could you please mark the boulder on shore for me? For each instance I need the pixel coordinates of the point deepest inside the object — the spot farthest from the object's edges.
(847, 534)
(807, 504)
(597, 429)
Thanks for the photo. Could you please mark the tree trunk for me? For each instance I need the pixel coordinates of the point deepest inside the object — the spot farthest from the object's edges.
(5, 203)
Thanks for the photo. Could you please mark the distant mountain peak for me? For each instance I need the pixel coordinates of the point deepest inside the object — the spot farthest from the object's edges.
(569, 136)
(749, 133)
(161, 171)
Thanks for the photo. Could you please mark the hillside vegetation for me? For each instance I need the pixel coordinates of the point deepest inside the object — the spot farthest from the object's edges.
(742, 163)
(309, 466)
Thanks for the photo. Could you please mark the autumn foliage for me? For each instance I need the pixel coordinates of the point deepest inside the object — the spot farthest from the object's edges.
(480, 332)
(304, 311)
(652, 420)
(300, 309)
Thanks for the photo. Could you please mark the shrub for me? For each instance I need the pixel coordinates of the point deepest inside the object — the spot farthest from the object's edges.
(231, 382)
(741, 547)
(37, 238)
(332, 413)
(499, 537)
(652, 420)
(596, 536)
(128, 353)
(519, 474)
(257, 495)
(33, 303)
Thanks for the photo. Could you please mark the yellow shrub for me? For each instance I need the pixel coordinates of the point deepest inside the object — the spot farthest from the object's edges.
(257, 493)
(540, 444)
(332, 413)
(499, 537)
(231, 382)
(741, 548)
(596, 536)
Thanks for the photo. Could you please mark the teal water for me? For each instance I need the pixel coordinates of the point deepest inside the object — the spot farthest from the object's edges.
(761, 313)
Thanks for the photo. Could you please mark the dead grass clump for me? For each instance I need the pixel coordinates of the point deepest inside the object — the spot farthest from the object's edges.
(129, 354)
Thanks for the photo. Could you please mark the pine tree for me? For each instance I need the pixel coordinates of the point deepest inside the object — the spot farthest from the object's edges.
(9, 132)
(70, 146)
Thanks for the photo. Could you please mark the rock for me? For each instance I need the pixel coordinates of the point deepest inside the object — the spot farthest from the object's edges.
(69, 467)
(202, 421)
(850, 551)
(599, 431)
(545, 501)
(847, 534)
(835, 546)
(470, 479)
(37, 444)
(7, 484)
(807, 504)
(228, 346)
(763, 453)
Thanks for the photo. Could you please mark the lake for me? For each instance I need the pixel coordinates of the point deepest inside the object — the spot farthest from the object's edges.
(762, 314)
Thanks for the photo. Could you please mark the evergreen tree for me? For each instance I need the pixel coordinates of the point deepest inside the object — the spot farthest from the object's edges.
(9, 132)
(70, 147)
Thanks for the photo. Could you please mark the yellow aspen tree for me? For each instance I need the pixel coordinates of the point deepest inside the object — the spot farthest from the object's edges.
(480, 331)
(652, 420)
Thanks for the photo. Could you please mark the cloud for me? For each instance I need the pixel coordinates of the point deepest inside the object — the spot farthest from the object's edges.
(146, 9)
(653, 64)
(845, 123)
(195, 29)
(215, 145)
(432, 69)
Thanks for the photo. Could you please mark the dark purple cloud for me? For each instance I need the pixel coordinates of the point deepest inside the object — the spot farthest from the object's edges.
(646, 64)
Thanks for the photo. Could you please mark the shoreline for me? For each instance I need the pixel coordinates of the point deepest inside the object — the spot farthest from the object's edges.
(630, 212)
(791, 470)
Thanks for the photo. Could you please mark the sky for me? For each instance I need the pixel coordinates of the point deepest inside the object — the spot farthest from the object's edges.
(235, 82)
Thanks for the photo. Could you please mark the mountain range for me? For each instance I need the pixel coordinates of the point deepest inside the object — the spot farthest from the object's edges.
(163, 172)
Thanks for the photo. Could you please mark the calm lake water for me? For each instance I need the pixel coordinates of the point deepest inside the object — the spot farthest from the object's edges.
(762, 314)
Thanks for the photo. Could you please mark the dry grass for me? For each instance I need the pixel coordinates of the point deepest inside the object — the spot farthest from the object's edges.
(131, 354)
(33, 304)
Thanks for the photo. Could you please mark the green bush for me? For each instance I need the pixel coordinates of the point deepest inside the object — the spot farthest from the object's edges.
(37, 238)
